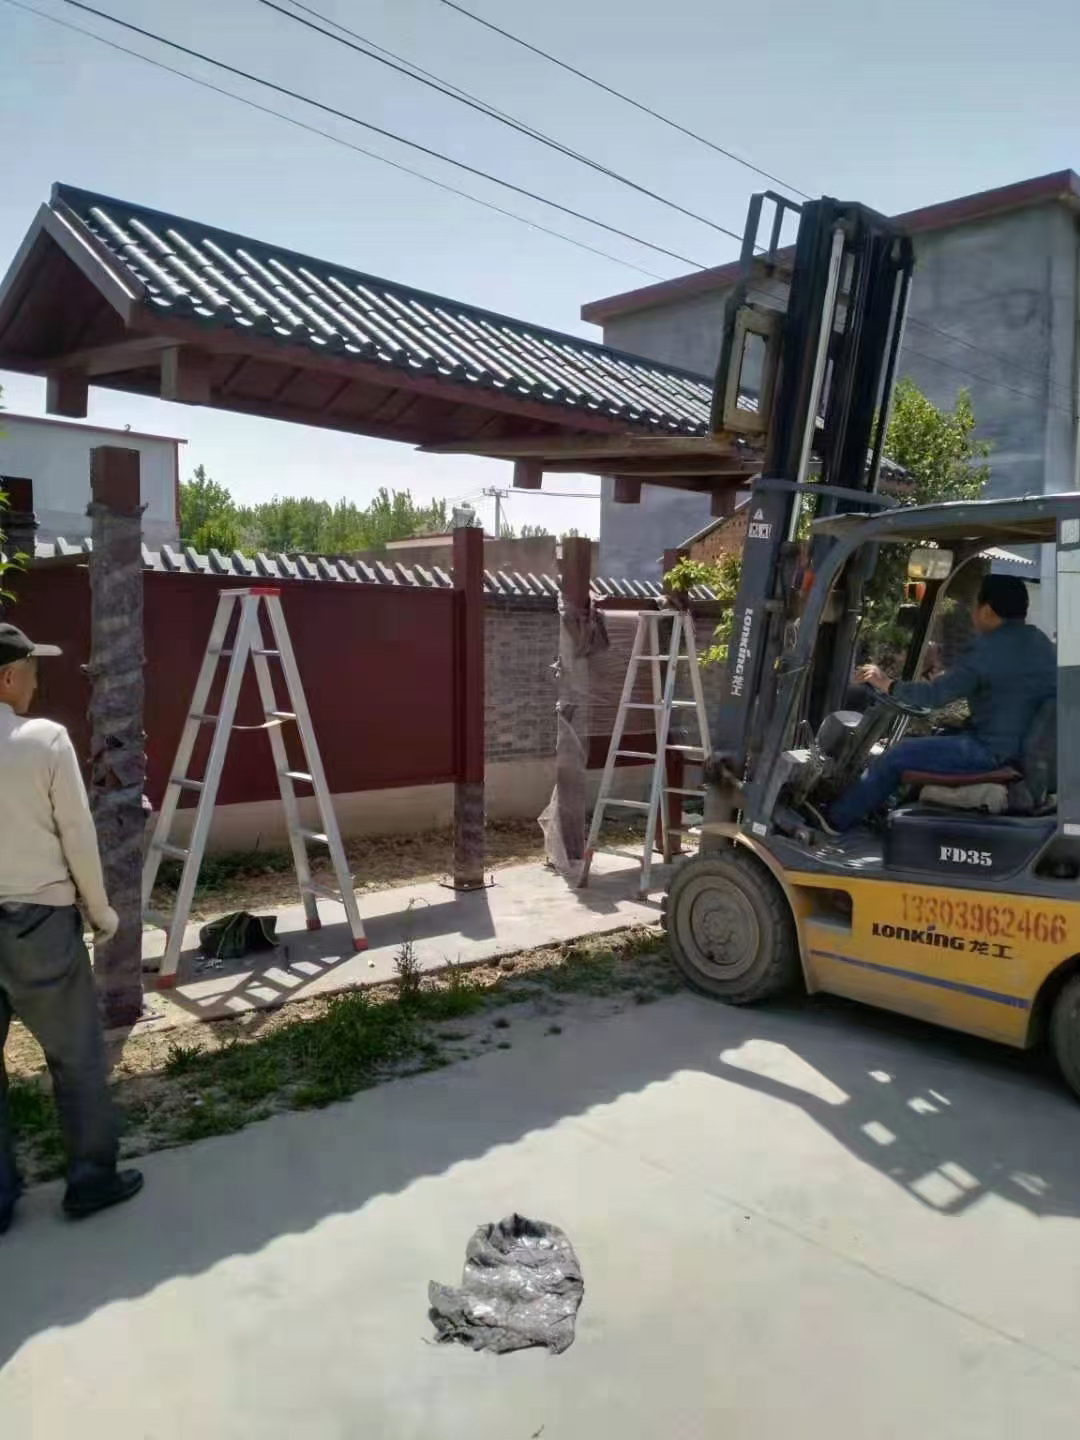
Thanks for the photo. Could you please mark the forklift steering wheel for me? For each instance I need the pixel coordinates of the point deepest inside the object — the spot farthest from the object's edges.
(900, 707)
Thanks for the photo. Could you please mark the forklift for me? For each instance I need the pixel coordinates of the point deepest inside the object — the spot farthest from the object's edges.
(962, 906)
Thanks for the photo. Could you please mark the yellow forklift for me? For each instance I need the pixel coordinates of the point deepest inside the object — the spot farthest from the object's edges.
(965, 914)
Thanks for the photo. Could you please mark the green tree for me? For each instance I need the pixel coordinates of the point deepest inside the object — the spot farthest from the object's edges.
(943, 461)
(208, 515)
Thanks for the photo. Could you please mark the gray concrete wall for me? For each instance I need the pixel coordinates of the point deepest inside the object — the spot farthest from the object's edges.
(1004, 291)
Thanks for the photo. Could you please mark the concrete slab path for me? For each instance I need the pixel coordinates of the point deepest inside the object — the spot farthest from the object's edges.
(805, 1220)
(525, 906)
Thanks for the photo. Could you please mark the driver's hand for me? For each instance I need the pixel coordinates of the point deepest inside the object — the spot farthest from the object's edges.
(872, 675)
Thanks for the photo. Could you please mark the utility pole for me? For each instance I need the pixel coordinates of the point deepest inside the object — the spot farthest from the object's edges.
(498, 495)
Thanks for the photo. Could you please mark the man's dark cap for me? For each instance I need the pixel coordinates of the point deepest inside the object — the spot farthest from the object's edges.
(14, 645)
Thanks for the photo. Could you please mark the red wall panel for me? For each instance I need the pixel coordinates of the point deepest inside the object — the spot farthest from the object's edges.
(376, 662)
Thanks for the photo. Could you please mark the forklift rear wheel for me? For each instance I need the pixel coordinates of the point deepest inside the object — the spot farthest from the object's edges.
(730, 928)
(1065, 1033)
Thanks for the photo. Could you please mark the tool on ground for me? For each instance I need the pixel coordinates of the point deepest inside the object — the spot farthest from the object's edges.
(680, 657)
(248, 641)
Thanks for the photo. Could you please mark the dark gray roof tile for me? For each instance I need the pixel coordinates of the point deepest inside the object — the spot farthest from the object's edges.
(225, 280)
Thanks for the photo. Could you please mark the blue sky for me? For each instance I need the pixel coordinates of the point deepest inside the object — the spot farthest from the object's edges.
(894, 106)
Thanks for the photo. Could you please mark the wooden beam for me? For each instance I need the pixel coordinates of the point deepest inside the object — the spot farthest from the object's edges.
(694, 465)
(67, 393)
(134, 354)
(627, 490)
(576, 446)
(185, 375)
(723, 503)
(528, 475)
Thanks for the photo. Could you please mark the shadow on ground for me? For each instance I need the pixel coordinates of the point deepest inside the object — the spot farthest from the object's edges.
(947, 1120)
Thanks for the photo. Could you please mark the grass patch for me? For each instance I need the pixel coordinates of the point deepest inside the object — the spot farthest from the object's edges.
(35, 1128)
(213, 1079)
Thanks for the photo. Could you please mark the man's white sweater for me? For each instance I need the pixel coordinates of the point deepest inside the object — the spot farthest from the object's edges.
(48, 845)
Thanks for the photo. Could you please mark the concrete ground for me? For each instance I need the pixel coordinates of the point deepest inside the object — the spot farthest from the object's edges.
(807, 1219)
(524, 906)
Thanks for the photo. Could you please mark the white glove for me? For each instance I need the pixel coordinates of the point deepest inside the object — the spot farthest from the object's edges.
(105, 925)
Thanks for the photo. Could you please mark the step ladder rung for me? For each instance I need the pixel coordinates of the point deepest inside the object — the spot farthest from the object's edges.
(324, 892)
(667, 709)
(249, 641)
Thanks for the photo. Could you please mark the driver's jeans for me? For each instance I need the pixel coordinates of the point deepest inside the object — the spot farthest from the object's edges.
(946, 754)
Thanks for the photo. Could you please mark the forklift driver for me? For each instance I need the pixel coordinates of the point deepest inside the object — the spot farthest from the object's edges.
(1007, 672)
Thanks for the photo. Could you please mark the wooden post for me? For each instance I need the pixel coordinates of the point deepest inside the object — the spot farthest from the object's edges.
(469, 708)
(571, 751)
(18, 523)
(117, 740)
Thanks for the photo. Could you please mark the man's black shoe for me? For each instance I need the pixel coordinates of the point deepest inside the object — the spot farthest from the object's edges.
(7, 1209)
(94, 1195)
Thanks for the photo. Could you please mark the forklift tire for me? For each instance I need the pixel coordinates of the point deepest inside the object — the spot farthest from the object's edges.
(730, 928)
(1065, 1033)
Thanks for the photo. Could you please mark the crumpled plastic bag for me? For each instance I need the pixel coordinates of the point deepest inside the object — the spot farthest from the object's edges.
(521, 1286)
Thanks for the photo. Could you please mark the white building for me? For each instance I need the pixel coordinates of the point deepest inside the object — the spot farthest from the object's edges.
(54, 455)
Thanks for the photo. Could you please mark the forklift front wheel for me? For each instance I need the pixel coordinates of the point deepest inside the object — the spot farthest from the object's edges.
(1065, 1033)
(730, 928)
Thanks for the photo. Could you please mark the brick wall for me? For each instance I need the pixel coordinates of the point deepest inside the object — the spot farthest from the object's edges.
(520, 646)
(726, 539)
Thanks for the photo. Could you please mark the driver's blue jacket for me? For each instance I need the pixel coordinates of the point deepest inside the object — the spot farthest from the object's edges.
(1004, 676)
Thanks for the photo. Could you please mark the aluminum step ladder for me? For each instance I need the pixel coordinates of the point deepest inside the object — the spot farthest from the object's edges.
(681, 651)
(247, 642)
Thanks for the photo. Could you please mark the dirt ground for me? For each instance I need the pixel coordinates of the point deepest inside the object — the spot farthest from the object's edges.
(174, 1087)
(260, 880)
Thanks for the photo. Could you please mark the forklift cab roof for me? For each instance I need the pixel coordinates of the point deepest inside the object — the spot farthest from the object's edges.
(1030, 520)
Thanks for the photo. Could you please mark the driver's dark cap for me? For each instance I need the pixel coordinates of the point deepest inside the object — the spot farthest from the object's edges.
(14, 645)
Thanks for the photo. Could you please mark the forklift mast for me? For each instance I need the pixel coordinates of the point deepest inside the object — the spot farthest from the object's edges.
(822, 371)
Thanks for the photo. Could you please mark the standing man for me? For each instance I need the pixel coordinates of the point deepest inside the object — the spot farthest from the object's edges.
(48, 851)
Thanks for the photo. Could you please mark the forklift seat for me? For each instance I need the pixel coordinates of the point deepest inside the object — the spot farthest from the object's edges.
(1004, 775)
(1028, 786)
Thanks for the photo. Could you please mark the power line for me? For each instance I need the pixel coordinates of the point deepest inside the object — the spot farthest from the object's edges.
(991, 354)
(762, 295)
(627, 99)
(986, 380)
(336, 139)
(380, 130)
(462, 97)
